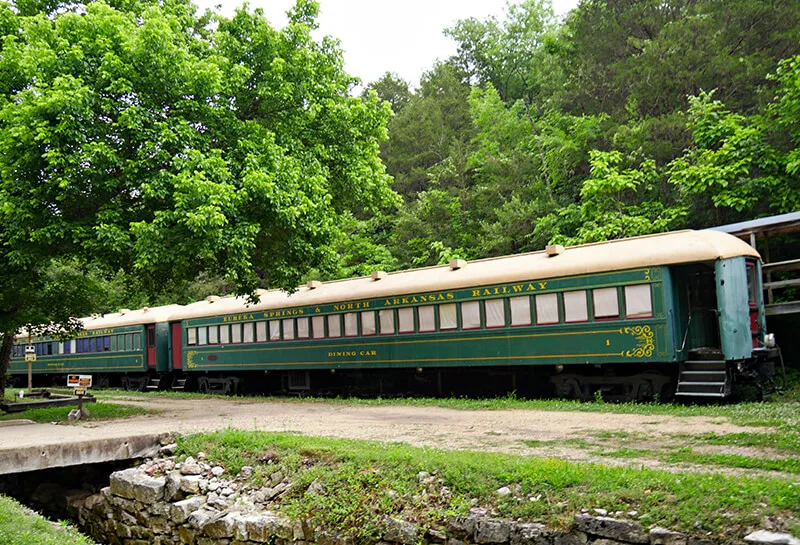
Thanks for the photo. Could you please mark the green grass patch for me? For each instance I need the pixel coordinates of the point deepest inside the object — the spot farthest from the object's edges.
(20, 526)
(362, 482)
(97, 411)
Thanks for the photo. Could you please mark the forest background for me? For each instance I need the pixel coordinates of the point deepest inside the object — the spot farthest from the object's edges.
(625, 118)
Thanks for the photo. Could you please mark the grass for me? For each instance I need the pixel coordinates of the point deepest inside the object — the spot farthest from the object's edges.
(97, 411)
(20, 526)
(363, 482)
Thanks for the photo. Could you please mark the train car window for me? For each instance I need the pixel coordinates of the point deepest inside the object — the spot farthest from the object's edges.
(606, 304)
(261, 332)
(318, 327)
(495, 310)
(128, 342)
(224, 334)
(137, 341)
(288, 329)
(471, 315)
(751, 284)
(213, 334)
(66, 348)
(106, 343)
(405, 320)
(191, 336)
(302, 328)
(351, 324)
(113, 345)
(448, 316)
(368, 323)
(520, 310)
(575, 308)
(248, 332)
(151, 337)
(236, 333)
(94, 345)
(334, 326)
(202, 336)
(546, 308)
(638, 302)
(386, 320)
(274, 330)
(427, 322)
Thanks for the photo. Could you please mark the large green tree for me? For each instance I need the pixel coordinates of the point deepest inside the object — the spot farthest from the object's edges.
(140, 136)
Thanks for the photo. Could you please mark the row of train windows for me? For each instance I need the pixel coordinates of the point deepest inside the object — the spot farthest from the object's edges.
(105, 343)
(547, 309)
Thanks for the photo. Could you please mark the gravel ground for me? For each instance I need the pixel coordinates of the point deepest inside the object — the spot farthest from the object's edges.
(485, 430)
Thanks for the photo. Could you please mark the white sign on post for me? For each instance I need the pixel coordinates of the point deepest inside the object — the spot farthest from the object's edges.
(79, 381)
(30, 353)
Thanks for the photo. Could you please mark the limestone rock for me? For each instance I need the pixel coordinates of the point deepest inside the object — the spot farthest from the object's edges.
(530, 533)
(503, 492)
(135, 485)
(570, 538)
(620, 530)
(190, 484)
(222, 527)
(662, 536)
(191, 467)
(180, 511)
(201, 517)
(492, 531)
(263, 527)
(771, 538)
(400, 531)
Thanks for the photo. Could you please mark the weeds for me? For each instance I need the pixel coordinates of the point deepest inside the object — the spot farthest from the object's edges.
(361, 483)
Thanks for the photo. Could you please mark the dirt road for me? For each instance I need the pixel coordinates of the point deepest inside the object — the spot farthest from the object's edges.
(526, 432)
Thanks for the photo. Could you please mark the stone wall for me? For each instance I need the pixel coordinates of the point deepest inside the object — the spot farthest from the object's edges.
(195, 503)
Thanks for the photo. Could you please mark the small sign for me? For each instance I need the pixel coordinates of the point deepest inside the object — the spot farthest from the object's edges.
(30, 353)
(79, 381)
(80, 391)
(30, 357)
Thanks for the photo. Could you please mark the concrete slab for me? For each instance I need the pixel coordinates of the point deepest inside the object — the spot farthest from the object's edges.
(78, 452)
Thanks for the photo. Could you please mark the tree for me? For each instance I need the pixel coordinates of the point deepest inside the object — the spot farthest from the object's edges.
(142, 137)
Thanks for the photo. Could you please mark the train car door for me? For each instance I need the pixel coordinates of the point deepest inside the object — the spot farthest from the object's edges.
(177, 346)
(151, 346)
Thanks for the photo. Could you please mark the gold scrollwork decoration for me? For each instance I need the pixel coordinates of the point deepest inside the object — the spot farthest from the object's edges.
(644, 341)
(190, 363)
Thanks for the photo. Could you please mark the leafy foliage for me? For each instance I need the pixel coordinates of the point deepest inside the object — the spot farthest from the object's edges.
(145, 138)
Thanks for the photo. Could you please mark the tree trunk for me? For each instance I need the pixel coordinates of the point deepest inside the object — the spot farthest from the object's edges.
(5, 359)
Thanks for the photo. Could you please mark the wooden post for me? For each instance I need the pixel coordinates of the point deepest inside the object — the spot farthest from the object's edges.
(30, 369)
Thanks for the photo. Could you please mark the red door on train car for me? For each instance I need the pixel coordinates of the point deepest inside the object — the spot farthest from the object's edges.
(177, 346)
(151, 346)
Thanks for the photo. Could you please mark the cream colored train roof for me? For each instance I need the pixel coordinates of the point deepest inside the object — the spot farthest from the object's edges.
(648, 251)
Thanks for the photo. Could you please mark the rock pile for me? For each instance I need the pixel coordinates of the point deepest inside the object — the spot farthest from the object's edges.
(197, 503)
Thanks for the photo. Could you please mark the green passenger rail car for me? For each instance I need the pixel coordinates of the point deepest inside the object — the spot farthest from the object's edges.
(642, 318)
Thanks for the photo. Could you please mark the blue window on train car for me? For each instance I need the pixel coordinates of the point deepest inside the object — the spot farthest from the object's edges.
(67, 346)
(106, 343)
(49, 347)
(92, 345)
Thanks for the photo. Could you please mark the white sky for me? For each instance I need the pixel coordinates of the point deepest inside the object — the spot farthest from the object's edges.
(378, 36)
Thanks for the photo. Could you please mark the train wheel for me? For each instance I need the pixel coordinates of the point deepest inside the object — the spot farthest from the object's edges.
(202, 385)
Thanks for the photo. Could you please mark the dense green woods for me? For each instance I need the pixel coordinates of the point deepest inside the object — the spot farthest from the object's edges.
(626, 118)
(150, 154)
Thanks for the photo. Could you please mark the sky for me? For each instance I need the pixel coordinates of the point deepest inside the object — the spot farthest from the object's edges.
(379, 36)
